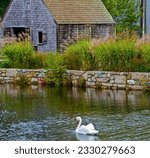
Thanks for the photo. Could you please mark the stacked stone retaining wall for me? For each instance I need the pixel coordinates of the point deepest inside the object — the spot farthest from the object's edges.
(93, 79)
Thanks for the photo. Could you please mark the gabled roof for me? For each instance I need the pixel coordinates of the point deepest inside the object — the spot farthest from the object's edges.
(79, 11)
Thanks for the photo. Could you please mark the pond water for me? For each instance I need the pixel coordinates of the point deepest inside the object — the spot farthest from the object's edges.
(44, 114)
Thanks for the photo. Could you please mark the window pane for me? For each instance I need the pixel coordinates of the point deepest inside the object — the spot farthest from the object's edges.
(40, 37)
(7, 32)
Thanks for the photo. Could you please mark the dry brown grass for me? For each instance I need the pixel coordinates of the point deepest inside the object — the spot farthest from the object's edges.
(145, 40)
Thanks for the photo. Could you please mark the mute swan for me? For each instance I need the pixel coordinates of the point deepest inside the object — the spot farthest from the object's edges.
(89, 129)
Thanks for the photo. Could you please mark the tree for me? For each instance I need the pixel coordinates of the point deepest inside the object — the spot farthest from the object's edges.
(126, 13)
(3, 6)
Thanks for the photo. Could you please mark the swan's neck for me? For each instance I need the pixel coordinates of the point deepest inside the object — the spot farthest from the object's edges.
(80, 121)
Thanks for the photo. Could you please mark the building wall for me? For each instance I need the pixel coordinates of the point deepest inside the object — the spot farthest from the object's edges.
(147, 16)
(68, 34)
(1, 32)
(36, 16)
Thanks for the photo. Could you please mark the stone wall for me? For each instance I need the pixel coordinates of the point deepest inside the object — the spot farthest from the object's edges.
(93, 79)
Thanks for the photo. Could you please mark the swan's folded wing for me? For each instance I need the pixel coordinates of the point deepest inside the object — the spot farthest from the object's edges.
(83, 130)
(90, 126)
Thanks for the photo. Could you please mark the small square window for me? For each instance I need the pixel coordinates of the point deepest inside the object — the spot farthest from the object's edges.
(42, 37)
(7, 32)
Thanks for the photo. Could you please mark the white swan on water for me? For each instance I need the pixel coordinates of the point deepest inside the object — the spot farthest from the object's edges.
(82, 129)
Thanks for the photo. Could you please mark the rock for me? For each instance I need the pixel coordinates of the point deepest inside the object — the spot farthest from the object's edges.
(78, 73)
(120, 79)
(131, 82)
(112, 81)
(85, 76)
(93, 79)
(34, 80)
(90, 84)
(101, 74)
(11, 72)
(108, 85)
(140, 76)
(103, 80)
(41, 75)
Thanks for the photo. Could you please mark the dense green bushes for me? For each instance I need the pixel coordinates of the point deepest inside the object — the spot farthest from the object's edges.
(79, 56)
(22, 55)
(111, 55)
(123, 54)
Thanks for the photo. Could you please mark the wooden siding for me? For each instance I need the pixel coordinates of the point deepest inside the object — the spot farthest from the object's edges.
(68, 34)
(35, 15)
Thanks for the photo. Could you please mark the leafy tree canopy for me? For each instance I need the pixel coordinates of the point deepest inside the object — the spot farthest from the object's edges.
(126, 13)
(3, 6)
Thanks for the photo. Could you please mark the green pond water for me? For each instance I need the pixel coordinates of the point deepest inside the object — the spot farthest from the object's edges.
(45, 114)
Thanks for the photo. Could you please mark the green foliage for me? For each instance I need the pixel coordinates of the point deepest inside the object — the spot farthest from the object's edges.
(3, 6)
(143, 57)
(120, 54)
(115, 55)
(5, 64)
(22, 55)
(79, 56)
(82, 82)
(55, 62)
(23, 80)
(126, 13)
(39, 60)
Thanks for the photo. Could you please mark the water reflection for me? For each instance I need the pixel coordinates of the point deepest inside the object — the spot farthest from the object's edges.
(44, 113)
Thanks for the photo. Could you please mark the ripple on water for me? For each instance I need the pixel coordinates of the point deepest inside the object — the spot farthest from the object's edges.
(133, 126)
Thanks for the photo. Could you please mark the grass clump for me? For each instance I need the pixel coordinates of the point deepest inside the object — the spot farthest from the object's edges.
(125, 53)
(56, 65)
(79, 56)
(22, 55)
(115, 55)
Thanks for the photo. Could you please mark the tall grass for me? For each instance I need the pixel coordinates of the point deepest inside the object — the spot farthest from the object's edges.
(79, 56)
(22, 55)
(120, 54)
(115, 55)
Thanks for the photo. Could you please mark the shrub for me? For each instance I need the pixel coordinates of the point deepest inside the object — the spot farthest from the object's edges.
(20, 54)
(39, 60)
(79, 56)
(23, 80)
(115, 55)
(143, 58)
(55, 62)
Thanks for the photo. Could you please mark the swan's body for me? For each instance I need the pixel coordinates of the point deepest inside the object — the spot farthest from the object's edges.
(82, 129)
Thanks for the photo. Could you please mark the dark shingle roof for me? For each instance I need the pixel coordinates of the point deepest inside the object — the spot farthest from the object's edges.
(79, 11)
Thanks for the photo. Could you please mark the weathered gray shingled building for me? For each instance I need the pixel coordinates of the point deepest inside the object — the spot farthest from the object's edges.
(51, 22)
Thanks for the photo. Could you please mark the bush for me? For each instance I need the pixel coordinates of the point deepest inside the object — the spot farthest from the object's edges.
(55, 62)
(142, 62)
(79, 56)
(22, 55)
(115, 55)
(39, 60)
